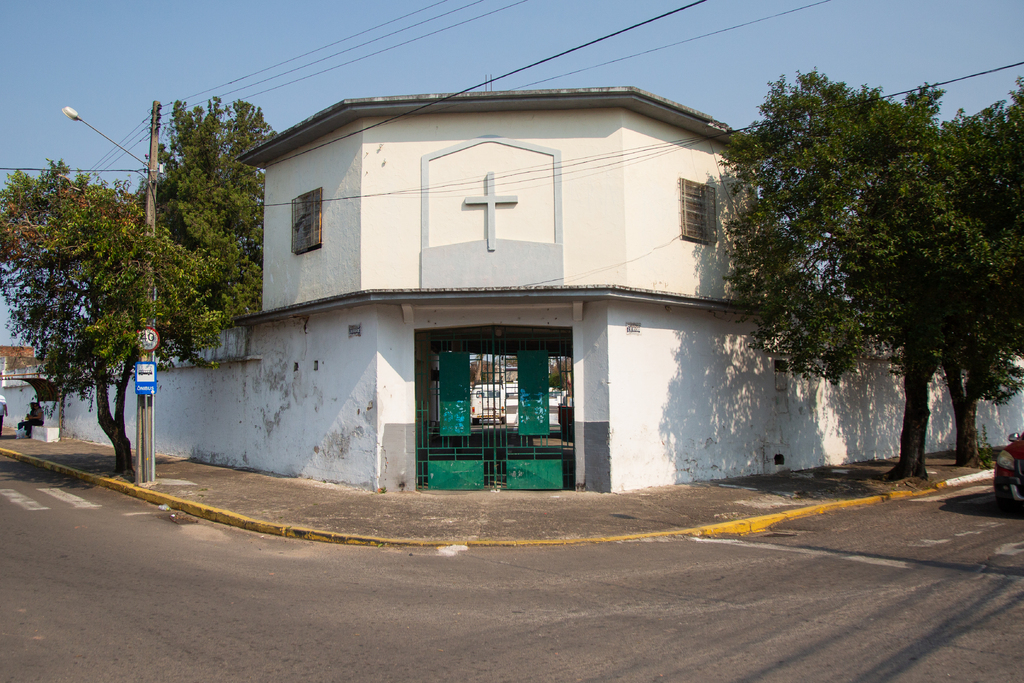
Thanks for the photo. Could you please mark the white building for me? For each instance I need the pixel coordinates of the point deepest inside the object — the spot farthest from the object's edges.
(415, 246)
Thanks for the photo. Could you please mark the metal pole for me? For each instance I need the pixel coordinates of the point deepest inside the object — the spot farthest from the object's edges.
(145, 454)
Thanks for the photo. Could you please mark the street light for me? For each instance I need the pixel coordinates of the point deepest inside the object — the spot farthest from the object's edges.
(145, 455)
(73, 115)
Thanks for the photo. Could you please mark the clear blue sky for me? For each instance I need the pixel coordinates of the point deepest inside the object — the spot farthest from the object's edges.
(110, 60)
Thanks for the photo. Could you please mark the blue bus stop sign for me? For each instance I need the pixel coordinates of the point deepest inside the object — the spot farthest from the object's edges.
(145, 377)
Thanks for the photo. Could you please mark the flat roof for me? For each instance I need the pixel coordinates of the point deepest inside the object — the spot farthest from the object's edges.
(347, 111)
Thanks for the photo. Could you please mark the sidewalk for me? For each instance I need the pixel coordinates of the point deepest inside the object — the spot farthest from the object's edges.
(453, 517)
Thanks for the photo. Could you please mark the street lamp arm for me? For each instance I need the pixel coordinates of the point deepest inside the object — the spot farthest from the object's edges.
(73, 115)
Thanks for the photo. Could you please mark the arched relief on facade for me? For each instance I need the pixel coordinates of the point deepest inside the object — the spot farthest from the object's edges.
(491, 215)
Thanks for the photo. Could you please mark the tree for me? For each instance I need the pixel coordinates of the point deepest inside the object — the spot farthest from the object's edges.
(212, 203)
(985, 334)
(77, 264)
(841, 247)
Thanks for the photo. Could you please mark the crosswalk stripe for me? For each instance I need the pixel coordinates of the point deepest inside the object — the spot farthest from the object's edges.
(62, 495)
(21, 500)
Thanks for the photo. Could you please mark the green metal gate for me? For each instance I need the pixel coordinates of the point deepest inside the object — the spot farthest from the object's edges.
(494, 408)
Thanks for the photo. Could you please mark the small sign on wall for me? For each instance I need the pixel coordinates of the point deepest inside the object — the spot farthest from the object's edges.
(355, 330)
(632, 328)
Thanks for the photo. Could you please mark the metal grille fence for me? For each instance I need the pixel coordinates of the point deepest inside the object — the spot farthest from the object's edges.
(494, 408)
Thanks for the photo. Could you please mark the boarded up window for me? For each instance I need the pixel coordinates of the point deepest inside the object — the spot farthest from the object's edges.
(697, 211)
(306, 222)
(454, 384)
(533, 393)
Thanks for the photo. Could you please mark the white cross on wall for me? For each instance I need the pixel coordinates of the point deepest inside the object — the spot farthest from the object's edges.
(491, 201)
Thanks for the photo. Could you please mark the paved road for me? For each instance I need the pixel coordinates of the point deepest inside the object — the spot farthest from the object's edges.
(95, 586)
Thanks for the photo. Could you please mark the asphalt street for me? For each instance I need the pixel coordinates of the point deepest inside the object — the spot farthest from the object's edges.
(98, 586)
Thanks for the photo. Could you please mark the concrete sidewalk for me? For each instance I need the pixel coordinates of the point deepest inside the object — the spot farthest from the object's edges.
(338, 513)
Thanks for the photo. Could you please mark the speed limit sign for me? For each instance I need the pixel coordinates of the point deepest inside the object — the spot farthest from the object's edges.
(149, 339)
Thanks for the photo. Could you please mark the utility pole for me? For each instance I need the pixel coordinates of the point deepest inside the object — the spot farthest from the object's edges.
(145, 454)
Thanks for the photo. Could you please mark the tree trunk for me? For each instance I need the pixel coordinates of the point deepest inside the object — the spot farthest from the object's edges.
(113, 424)
(915, 425)
(965, 412)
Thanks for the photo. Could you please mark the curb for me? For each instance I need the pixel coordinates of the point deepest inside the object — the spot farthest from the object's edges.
(739, 527)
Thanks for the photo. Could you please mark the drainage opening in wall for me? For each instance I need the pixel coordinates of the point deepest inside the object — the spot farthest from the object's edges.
(780, 459)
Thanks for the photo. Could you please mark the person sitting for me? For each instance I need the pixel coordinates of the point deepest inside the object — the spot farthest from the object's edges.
(33, 419)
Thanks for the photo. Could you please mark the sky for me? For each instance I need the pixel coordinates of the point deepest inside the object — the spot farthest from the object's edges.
(111, 60)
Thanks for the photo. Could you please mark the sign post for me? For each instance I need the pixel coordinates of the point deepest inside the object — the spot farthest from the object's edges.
(145, 389)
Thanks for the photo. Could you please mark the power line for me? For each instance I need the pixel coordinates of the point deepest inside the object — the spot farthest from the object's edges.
(122, 143)
(491, 80)
(337, 42)
(665, 47)
(634, 155)
(381, 51)
(372, 54)
(77, 170)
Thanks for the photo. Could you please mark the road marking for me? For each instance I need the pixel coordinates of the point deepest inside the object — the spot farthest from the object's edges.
(926, 542)
(62, 495)
(21, 501)
(452, 550)
(866, 559)
(969, 491)
(1011, 548)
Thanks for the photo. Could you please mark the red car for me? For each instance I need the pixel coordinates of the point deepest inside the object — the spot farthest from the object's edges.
(1009, 476)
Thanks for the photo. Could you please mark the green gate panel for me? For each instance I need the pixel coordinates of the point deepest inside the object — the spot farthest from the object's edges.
(533, 474)
(448, 475)
(454, 385)
(533, 393)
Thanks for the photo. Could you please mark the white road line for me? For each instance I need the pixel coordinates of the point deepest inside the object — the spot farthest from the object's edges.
(1010, 548)
(21, 501)
(807, 551)
(62, 495)
(969, 491)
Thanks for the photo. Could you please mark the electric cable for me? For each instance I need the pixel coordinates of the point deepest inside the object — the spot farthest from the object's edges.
(337, 42)
(121, 142)
(374, 54)
(676, 44)
(492, 80)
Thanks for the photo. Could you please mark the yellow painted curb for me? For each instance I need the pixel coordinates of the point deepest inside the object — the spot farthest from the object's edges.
(739, 527)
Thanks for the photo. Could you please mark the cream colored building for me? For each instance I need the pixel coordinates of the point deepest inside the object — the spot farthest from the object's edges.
(559, 251)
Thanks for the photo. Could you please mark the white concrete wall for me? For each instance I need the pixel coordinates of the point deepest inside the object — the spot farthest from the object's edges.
(690, 401)
(334, 268)
(657, 257)
(593, 210)
(306, 408)
(684, 400)
(620, 204)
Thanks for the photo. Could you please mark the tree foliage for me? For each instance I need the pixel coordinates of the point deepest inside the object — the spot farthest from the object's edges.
(846, 245)
(213, 204)
(984, 335)
(77, 264)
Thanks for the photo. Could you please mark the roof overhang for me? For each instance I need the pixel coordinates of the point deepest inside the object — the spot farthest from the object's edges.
(501, 296)
(345, 112)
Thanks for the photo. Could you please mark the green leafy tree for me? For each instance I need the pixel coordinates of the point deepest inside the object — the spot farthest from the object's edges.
(984, 335)
(77, 264)
(213, 204)
(842, 245)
